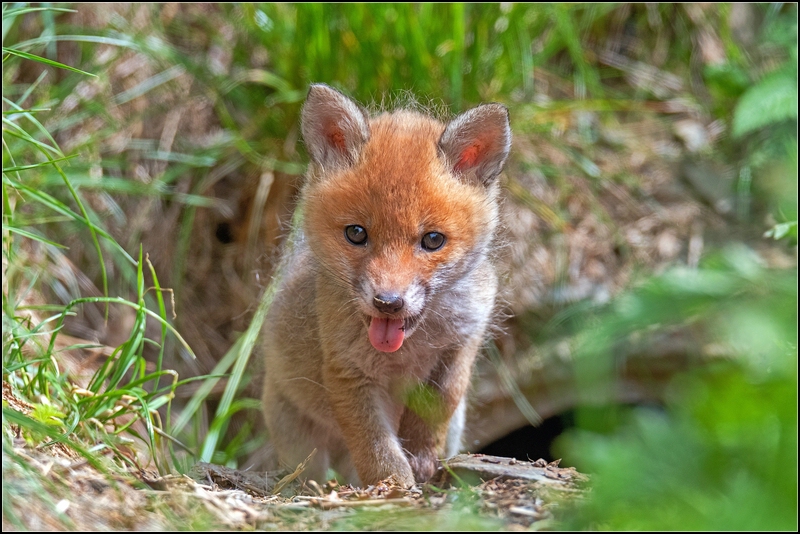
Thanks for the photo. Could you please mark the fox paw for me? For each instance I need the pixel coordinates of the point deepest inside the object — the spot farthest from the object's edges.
(424, 466)
(400, 473)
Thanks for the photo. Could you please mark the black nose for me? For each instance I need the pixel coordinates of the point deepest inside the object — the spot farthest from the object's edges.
(388, 302)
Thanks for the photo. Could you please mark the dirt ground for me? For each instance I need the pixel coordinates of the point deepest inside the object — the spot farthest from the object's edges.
(54, 488)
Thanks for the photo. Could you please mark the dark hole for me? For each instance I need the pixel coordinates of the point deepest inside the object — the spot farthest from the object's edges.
(223, 233)
(531, 442)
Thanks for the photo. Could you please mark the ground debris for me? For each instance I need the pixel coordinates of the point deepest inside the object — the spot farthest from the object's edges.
(474, 491)
(49, 486)
(256, 483)
(523, 494)
(470, 466)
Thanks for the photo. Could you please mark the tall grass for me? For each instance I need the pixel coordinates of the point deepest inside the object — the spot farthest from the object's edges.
(121, 399)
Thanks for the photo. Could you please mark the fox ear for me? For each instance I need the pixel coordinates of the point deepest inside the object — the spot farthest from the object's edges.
(334, 127)
(476, 143)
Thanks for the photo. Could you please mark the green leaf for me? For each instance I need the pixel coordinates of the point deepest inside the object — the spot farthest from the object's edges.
(47, 414)
(779, 231)
(772, 100)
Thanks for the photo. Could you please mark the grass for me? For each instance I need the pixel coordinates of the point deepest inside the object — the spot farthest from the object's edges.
(122, 398)
(159, 113)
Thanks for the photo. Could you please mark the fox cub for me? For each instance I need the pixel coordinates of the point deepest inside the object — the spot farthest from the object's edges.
(387, 288)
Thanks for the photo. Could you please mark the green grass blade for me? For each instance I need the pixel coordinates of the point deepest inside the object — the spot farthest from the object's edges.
(18, 132)
(240, 352)
(59, 207)
(24, 421)
(36, 165)
(93, 230)
(15, 12)
(149, 84)
(118, 300)
(97, 39)
(50, 62)
(33, 236)
(511, 386)
(162, 310)
(25, 113)
(457, 66)
(199, 396)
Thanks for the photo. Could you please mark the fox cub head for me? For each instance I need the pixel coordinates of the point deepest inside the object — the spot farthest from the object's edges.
(399, 207)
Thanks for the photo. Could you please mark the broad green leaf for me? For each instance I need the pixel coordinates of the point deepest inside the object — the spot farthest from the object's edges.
(772, 100)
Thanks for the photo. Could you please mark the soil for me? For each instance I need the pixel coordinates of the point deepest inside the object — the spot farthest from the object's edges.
(52, 487)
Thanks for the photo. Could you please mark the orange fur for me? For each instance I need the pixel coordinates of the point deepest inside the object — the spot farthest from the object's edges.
(400, 177)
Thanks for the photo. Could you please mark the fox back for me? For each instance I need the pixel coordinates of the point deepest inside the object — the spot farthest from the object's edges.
(387, 288)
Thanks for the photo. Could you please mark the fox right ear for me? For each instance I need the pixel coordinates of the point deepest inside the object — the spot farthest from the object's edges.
(476, 143)
(334, 127)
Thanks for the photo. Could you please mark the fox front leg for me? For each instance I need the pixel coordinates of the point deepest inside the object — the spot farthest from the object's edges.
(425, 427)
(366, 417)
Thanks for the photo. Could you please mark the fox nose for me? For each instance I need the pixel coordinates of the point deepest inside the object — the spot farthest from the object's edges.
(388, 302)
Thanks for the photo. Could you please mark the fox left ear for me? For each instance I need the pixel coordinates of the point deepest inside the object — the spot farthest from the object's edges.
(477, 142)
(334, 127)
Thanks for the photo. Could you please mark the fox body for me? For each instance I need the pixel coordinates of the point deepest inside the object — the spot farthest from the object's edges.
(387, 288)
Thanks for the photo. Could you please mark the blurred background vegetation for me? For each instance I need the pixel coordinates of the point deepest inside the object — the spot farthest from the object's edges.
(651, 231)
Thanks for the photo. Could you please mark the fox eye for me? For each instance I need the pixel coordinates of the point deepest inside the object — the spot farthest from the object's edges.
(355, 234)
(432, 241)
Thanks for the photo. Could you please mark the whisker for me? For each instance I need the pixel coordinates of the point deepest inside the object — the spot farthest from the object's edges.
(306, 379)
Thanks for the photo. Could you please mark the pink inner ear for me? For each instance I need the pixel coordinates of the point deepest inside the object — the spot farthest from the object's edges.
(336, 138)
(469, 157)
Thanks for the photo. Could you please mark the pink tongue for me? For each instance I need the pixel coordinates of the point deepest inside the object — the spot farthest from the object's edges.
(386, 335)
